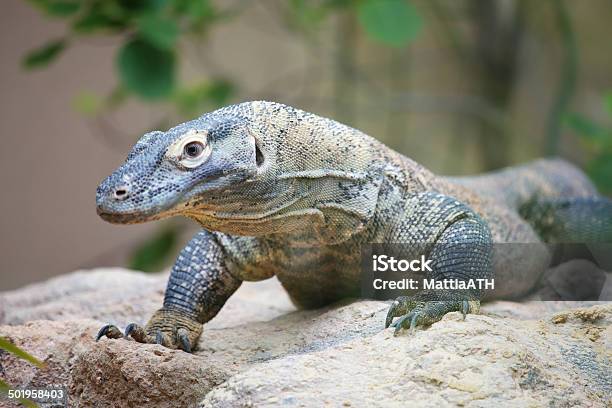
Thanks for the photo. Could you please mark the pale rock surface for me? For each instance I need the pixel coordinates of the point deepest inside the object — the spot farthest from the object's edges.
(259, 351)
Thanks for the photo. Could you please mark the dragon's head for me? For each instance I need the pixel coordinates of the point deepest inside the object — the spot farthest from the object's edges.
(191, 165)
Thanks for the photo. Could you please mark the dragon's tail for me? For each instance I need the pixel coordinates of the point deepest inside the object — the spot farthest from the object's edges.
(554, 196)
(581, 219)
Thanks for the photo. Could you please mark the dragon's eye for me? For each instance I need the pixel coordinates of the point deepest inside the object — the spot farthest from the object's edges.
(193, 150)
(190, 150)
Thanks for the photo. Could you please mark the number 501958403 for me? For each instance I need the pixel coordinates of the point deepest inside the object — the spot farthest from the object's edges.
(47, 395)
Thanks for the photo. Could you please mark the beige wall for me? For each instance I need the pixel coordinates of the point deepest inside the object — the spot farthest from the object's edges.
(50, 159)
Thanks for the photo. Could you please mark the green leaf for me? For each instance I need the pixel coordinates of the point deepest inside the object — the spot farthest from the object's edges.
(588, 129)
(57, 8)
(63, 8)
(307, 13)
(196, 10)
(194, 100)
(159, 31)
(196, 14)
(92, 22)
(146, 70)
(339, 4)
(220, 92)
(154, 253)
(140, 6)
(608, 103)
(600, 170)
(87, 103)
(108, 16)
(11, 348)
(392, 22)
(44, 55)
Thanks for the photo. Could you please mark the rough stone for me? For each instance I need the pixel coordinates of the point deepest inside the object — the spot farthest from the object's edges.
(259, 351)
(480, 362)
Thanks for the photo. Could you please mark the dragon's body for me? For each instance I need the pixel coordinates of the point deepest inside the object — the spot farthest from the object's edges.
(283, 192)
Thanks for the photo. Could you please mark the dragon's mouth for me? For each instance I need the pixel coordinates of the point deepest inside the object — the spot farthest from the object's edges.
(124, 218)
(134, 217)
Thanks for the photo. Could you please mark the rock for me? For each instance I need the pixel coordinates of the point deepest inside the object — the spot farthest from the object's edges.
(57, 344)
(478, 362)
(57, 320)
(107, 373)
(113, 373)
(121, 296)
(259, 351)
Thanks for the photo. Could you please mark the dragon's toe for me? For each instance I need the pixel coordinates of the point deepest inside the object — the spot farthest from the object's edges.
(414, 312)
(136, 332)
(169, 328)
(109, 330)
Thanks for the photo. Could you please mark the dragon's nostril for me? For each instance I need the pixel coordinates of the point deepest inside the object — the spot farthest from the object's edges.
(121, 193)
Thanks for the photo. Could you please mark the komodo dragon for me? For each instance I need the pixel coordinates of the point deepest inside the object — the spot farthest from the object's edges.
(279, 191)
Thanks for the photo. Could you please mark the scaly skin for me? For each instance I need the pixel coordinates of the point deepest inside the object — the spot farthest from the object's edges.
(283, 192)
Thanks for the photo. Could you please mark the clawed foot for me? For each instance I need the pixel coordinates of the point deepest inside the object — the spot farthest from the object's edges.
(170, 328)
(413, 312)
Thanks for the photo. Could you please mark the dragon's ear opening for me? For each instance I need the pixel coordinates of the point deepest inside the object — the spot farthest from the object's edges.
(259, 157)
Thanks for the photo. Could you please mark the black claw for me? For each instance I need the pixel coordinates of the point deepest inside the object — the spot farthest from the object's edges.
(390, 314)
(109, 331)
(136, 332)
(129, 329)
(102, 331)
(184, 340)
(413, 323)
(399, 325)
(397, 308)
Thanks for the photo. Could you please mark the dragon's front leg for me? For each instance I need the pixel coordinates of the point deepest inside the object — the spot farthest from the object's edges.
(461, 253)
(198, 287)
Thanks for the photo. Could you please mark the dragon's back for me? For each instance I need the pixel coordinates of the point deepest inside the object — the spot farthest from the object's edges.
(542, 179)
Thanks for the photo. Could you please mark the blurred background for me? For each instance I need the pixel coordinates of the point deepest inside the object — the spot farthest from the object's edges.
(461, 86)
